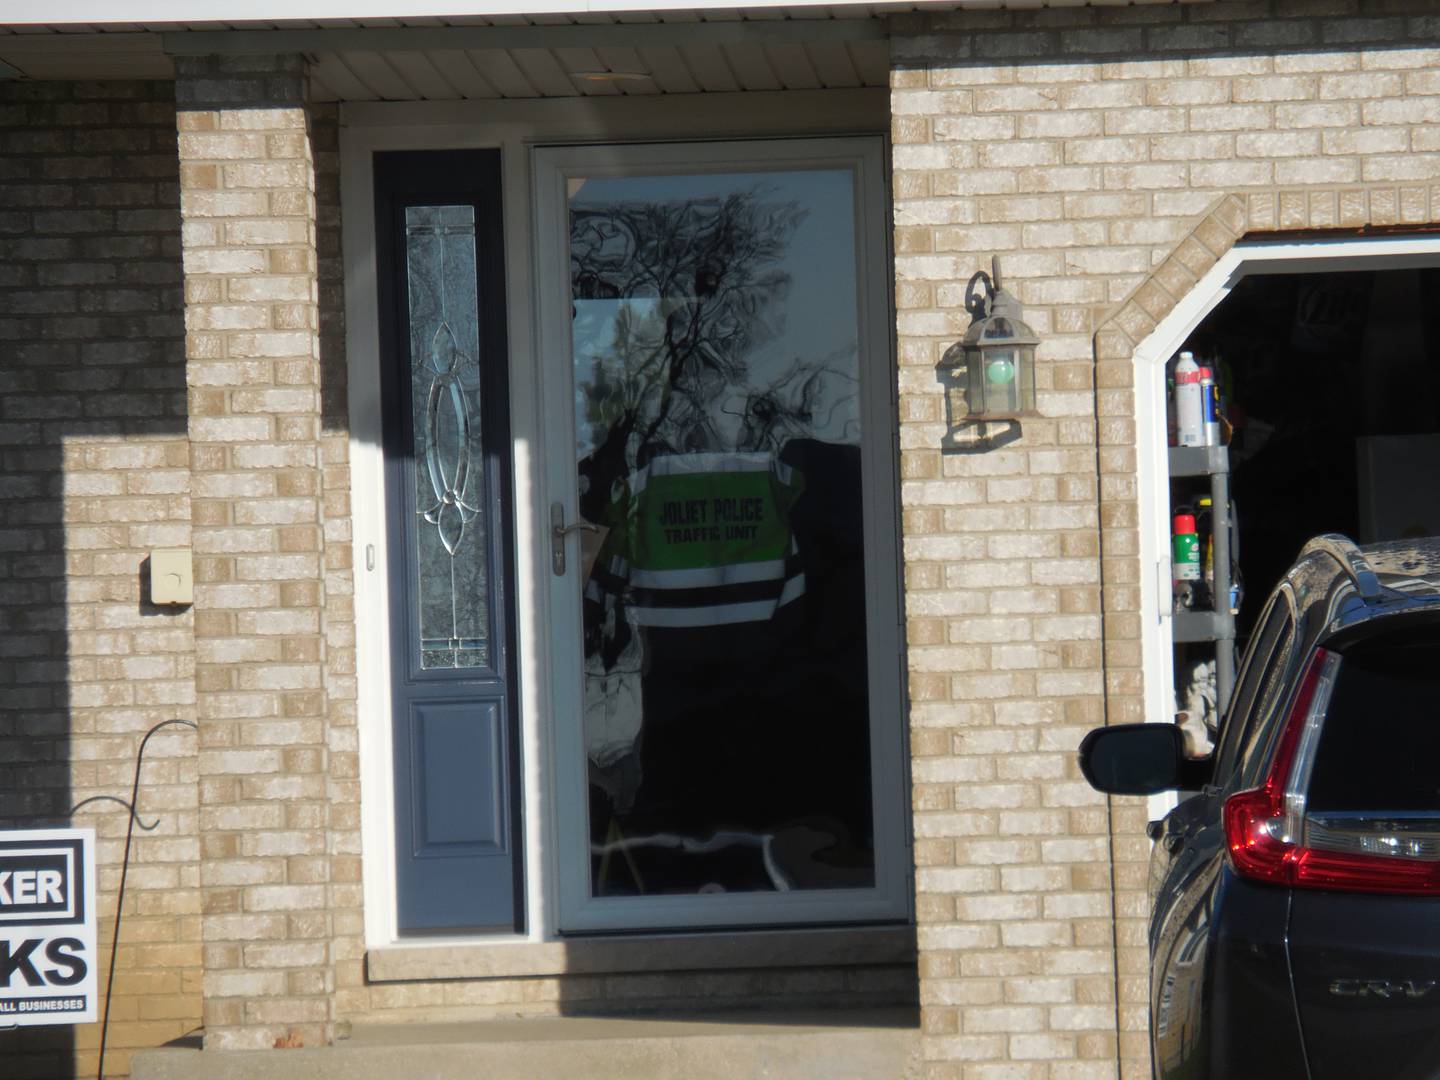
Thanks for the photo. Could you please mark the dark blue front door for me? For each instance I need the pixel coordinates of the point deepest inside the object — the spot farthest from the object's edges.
(447, 490)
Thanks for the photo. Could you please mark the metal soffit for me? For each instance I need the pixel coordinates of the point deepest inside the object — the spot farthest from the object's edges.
(630, 53)
(763, 46)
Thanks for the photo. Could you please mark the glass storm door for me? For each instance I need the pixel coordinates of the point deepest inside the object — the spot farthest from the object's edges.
(447, 489)
(728, 720)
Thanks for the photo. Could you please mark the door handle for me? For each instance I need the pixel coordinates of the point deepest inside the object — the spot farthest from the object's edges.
(558, 531)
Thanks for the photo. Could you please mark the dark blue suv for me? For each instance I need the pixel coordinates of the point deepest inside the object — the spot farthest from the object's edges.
(1295, 927)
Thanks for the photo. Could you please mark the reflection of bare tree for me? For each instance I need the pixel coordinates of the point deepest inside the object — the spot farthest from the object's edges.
(707, 286)
(790, 406)
(684, 353)
(681, 347)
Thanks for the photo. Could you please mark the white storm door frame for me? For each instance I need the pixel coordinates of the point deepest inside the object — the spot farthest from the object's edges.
(889, 900)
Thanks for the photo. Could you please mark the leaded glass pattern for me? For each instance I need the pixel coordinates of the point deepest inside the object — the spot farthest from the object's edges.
(448, 466)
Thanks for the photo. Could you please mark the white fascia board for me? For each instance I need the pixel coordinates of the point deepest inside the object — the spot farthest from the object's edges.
(145, 12)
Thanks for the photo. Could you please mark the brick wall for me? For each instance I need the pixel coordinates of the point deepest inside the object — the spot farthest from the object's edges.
(247, 178)
(1085, 146)
(239, 449)
(93, 474)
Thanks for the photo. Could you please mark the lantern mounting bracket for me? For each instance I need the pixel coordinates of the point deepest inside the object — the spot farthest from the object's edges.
(979, 293)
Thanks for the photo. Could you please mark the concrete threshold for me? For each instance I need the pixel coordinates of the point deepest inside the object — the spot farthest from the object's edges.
(874, 1044)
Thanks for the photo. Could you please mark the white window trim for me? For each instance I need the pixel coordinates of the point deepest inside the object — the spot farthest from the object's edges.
(1245, 259)
(512, 127)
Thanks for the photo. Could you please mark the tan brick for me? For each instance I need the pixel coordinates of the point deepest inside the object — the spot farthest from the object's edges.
(1306, 139)
(265, 330)
(1274, 88)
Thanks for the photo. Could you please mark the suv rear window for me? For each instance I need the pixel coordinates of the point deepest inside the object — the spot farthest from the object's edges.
(1380, 746)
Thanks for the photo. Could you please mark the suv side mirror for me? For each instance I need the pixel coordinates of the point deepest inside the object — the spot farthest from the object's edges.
(1134, 759)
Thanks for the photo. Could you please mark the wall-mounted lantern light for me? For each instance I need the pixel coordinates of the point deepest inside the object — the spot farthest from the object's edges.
(997, 353)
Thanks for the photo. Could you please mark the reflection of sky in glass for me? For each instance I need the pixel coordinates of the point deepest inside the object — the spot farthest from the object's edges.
(815, 323)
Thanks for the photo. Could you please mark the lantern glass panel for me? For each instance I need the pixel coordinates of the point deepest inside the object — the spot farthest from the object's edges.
(1001, 382)
(1025, 379)
(975, 381)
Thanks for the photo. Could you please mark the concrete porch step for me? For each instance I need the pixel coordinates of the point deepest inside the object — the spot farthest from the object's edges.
(876, 1044)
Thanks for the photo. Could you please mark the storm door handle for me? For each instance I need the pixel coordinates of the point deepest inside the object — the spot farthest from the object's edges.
(558, 531)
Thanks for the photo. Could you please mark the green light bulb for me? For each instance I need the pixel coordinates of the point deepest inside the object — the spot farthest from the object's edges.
(1000, 370)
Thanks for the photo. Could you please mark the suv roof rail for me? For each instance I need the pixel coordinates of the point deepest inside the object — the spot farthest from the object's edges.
(1344, 551)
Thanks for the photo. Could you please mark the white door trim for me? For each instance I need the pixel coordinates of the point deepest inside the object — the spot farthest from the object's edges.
(367, 482)
(513, 127)
(1245, 259)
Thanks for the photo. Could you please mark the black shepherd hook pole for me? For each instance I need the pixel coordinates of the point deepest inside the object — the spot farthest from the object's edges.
(134, 807)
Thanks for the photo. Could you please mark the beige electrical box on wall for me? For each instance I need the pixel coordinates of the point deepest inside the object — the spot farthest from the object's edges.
(172, 578)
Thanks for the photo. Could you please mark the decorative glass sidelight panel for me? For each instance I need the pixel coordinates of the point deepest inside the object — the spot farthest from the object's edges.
(449, 466)
(715, 342)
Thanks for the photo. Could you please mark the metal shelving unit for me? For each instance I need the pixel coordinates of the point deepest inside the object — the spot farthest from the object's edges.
(1217, 626)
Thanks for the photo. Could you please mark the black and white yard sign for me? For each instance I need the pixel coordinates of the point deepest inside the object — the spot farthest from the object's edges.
(47, 927)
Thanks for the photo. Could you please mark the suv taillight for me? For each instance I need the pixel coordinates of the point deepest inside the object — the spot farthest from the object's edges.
(1265, 826)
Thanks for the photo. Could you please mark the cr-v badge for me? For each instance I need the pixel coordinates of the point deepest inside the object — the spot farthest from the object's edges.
(1382, 988)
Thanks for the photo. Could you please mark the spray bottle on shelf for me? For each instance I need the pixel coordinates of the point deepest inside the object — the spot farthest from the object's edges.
(1210, 406)
(1185, 562)
(1189, 402)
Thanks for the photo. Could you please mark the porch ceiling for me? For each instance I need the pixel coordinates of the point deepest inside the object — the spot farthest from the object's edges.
(579, 53)
(457, 58)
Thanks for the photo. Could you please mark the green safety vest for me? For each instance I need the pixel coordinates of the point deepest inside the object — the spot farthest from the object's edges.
(702, 540)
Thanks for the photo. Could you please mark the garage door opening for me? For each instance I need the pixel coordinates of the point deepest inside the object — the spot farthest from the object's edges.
(1326, 366)
(1330, 385)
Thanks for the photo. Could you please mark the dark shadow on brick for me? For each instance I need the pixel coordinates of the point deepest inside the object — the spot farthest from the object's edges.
(92, 364)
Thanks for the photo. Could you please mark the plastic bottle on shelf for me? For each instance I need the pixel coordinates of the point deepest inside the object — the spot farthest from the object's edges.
(1189, 403)
(1205, 526)
(1210, 407)
(1185, 561)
